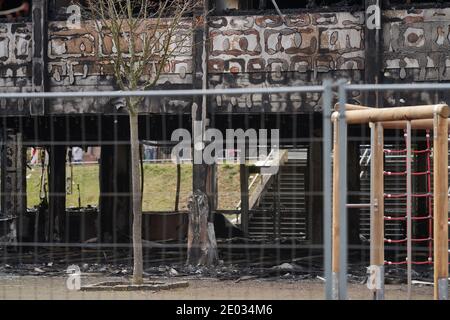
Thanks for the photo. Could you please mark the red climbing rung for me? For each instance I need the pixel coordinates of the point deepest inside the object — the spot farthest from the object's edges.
(404, 240)
(403, 173)
(404, 151)
(403, 195)
(427, 195)
(403, 218)
(405, 262)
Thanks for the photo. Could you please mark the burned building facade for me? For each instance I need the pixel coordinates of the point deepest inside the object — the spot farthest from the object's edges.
(249, 44)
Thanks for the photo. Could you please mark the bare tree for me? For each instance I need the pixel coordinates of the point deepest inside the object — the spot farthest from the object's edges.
(142, 36)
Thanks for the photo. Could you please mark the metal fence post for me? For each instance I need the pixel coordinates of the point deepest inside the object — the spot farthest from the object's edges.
(343, 192)
(408, 206)
(326, 114)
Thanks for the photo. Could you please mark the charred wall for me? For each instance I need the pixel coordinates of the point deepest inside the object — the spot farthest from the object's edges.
(257, 51)
(244, 51)
(415, 49)
(265, 51)
(252, 50)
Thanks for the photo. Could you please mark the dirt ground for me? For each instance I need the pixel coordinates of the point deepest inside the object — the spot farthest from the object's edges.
(54, 288)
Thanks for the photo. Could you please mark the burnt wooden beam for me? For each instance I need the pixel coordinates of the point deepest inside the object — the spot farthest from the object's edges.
(13, 183)
(199, 102)
(243, 177)
(315, 187)
(39, 62)
(373, 53)
(106, 214)
(177, 192)
(202, 246)
(115, 194)
(57, 193)
(212, 189)
(203, 175)
(277, 208)
(201, 231)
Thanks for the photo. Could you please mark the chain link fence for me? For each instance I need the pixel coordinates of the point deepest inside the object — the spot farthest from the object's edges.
(66, 200)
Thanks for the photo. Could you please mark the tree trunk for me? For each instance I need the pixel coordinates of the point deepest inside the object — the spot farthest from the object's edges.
(137, 204)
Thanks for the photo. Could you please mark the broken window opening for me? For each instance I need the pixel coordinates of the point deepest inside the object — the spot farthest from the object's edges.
(228, 190)
(82, 172)
(36, 176)
(160, 179)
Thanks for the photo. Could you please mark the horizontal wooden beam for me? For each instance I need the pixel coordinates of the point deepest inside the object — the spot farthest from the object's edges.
(350, 107)
(420, 124)
(395, 114)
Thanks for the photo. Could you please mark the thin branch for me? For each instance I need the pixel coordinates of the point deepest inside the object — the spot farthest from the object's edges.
(150, 43)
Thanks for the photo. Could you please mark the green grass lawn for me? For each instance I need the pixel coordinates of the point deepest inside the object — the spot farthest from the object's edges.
(159, 186)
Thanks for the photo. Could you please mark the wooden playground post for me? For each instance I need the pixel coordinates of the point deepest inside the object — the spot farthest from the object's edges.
(421, 117)
(440, 182)
(377, 206)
